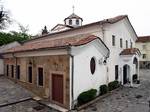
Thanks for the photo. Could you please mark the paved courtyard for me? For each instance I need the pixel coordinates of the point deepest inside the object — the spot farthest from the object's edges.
(123, 100)
(11, 93)
(126, 99)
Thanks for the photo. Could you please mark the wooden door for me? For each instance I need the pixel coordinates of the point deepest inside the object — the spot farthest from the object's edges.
(57, 88)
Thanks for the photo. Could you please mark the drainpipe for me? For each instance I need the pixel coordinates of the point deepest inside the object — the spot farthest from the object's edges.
(103, 32)
(72, 76)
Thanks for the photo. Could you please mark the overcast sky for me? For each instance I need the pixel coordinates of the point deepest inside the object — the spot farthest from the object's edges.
(38, 13)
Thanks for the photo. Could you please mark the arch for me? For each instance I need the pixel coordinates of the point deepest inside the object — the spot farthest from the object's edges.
(70, 22)
(135, 61)
(126, 73)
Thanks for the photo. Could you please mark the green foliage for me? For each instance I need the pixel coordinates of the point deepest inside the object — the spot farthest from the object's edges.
(103, 89)
(113, 85)
(6, 38)
(86, 96)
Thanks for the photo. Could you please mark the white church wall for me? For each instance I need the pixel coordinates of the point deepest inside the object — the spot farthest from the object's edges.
(119, 30)
(83, 78)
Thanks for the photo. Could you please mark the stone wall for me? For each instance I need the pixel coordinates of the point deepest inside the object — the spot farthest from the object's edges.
(51, 64)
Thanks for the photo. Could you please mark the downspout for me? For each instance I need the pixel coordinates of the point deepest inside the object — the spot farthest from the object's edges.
(103, 31)
(103, 36)
(72, 77)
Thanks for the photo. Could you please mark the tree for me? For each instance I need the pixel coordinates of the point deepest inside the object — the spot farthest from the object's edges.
(4, 18)
(23, 29)
(12, 36)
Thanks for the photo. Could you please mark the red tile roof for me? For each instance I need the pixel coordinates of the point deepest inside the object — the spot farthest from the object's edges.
(73, 15)
(143, 39)
(130, 51)
(109, 20)
(55, 43)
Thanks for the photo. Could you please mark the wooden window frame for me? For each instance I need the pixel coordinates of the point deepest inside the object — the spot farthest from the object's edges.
(7, 70)
(18, 72)
(92, 65)
(38, 76)
(12, 71)
(126, 44)
(121, 43)
(113, 40)
(116, 72)
(70, 21)
(30, 74)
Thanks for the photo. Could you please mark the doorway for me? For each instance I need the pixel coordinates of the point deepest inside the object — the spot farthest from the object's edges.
(57, 88)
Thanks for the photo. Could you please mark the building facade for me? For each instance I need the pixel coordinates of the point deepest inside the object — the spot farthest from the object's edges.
(61, 65)
(143, 43)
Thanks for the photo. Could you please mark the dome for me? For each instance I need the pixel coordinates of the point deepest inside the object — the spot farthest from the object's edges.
(73, 20)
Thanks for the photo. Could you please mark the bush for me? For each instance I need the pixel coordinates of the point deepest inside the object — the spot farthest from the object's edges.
(113, 85)
(103, 89)
(86, 96)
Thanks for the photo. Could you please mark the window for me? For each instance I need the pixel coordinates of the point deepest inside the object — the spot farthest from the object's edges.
(18, 72)
(12, 71)
(77, 22)
(70, 22)
(144, 46)
(144, 56)
(30, 74)
(121, 43)
(40, 76)
(126, 44)
(92, 65)
(113, 40)
(116, 72)
(7, 70)
(131, 45)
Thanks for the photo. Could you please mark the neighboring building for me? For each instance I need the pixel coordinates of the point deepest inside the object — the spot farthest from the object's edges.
(61, 65)
(2, 49)
(143, 43)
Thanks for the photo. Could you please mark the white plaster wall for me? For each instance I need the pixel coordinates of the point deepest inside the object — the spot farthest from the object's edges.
(1, 67)
(83, 79)
(120, 30)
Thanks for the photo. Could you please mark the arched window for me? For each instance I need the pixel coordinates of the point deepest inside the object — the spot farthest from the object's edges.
(77, 22)
(70, 22)
(92, 65)
(126, 44)
(121, 43)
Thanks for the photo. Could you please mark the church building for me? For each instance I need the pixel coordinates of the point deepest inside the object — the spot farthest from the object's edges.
(74, 58)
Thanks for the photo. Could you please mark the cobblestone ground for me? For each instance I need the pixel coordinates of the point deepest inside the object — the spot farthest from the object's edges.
(26, 106)
(11, 92)
(126, 99)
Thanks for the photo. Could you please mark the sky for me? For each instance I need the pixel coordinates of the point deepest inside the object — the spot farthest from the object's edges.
(37, 13)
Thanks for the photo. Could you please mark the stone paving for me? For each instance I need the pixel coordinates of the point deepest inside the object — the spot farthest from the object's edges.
(11, 92)
(126, 99)
(123, 100)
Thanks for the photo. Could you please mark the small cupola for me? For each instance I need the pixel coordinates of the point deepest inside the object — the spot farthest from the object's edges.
(73, 20)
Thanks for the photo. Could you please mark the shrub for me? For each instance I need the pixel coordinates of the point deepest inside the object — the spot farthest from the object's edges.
(113, 85)
(103, 89)
(86, 96)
